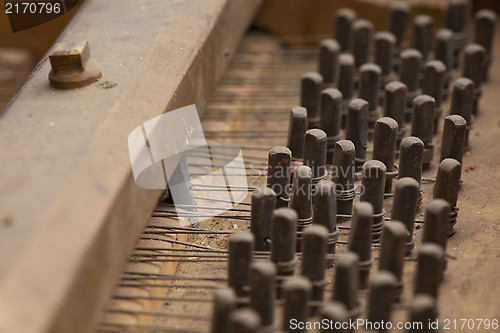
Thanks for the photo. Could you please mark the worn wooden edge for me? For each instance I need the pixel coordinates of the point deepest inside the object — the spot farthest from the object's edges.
(68, 228)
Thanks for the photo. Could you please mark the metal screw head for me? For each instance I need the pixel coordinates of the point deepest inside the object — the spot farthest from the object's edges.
(328, 59)
(363, 31)
(73, 66)
(345, 18)
(399, 13)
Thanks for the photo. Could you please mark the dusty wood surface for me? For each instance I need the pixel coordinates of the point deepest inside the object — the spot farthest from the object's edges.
(69, 208)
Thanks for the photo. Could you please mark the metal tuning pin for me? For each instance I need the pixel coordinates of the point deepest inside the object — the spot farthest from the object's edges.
(297, 291)
(455, 21)
(315, 142)
(244, 320)
(444, 53)
(363, 31)
(422, 34)
(485, 22)
(410, 161)
(423, 125)
(436, 224)
(432, 85)
(404, 207)
(333, 313)
(430, 259)
(454, 137)
(344, 33)
(380, 298)
(328, 60)
(373, 181)
(311, 85)
(395, 107)
(325, 213)
(360, 239)
(263, 203)
(314, 243)
(447, 187)
(224, 304)
(296, 131)
(423, 310)
(474, 62)
(357, 128)
(369, 90)
(462, 102)
(284, 240)
(384, 147)
(346, 82)
(263, 292)
(411, 63)
(343, 174)
(241, 247)
(392, 253)
(399, 13)
(385, 44)
(278, 174)
(301, 200)
(331, 119)
(345, 289)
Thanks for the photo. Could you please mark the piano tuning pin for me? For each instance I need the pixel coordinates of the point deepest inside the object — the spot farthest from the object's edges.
(404, 206)
(360, 239)
(454, 138)
(422, 34)
(462, 102)
(284, 240)
(345, 290)
(278, 174)
(263, 204)
(241, 247)
(297, 294)
(325, 213)
(384, 147)
(373, 182)
(395, 106)
(474, 62)
(369, 90)
(346, 82)
(343, 173)
(423, 125)
(315, 142)
(244, 320)
(485, 22)
(410, 161)
(344, 34)
(263, 291)
(381, 297)
(357, 128)
(411, 63)
(432, 85)
(328, 60)
(331, 118)
(296, 131)
(224, 304)
(447, 186)
(363, 31)
(311, 85)
(392, 253)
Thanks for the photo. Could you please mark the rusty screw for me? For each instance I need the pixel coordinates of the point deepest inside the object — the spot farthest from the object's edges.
(73, 66)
